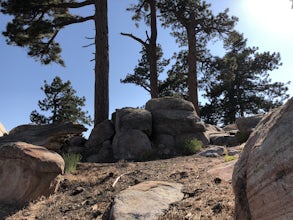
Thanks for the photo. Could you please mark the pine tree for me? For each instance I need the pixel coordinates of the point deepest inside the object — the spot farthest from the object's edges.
(62, 103)
(147, 9)
(193, 24)
(36, 24)
(239, 85)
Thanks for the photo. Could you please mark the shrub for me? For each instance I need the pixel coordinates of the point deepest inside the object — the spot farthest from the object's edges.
(192, 146)
(228, 157)
(71, 160)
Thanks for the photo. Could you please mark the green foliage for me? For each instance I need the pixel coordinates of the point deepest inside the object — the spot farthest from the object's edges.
(63, 104)
(141, 75)
(71, 160)
(238, 84)
(36, 24)
(228, 157)
(192, 146)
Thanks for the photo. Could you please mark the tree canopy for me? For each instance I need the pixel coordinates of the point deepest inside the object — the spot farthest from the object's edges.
(62, 103)
(239, 85)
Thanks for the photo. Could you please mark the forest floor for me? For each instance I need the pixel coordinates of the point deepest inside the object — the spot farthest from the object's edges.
(87, 193)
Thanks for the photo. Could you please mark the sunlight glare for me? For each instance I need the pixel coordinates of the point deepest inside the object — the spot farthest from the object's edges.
(272, 16)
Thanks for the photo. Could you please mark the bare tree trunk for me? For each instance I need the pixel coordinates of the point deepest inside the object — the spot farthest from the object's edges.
(152, 53)
(192, 83)
(101, 62)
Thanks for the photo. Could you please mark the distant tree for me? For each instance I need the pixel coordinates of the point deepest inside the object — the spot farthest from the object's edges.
(147, 9)
(36, 24)
(193, 24)
(239, 83)
(62, 103)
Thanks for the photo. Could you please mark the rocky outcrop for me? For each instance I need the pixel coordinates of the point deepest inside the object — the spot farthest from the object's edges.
(174, 119)
(147, 200)
(263, 175)
(2, 130)
(51, 136)
(131, 145)
(27, 172)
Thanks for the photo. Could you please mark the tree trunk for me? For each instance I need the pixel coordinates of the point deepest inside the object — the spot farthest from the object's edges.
(192, 72)
(101, 62)
(153, 51)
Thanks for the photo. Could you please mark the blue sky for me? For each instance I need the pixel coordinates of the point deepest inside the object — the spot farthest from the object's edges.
(266, 23)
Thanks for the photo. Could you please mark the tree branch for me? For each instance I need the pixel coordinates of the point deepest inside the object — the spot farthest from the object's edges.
(74, 21)
(72, 4)
(135, 38)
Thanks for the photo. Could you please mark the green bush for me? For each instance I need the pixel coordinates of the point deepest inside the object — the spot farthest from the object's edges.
(228, 157)
(192, 146)
(71, 160)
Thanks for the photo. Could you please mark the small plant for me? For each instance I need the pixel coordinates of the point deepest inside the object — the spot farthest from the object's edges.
(228, 157)
(71, 160)
(192, 146)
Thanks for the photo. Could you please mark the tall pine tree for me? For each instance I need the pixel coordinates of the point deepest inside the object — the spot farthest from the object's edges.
(239, 85)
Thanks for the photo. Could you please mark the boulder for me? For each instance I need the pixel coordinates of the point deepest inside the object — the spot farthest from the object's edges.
(101, 132)
(51, 136)
(174, 116)
(2, 130)
(246, 124)
(263, 176)
(166, 103)
(224, 139)
(147, 200)
(133, 118)
(131, 145)
(213, 151)
(27, 172)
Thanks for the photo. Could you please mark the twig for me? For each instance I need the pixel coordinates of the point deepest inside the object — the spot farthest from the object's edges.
(117, 179)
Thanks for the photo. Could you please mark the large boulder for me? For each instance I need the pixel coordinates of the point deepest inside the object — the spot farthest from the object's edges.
(51, 136)
(2, 130)
(246, 124)
(147, 200)
(174, 117)
(101, 133)
(133, 118)
(27, 172)
(263, 176)
(131, 145)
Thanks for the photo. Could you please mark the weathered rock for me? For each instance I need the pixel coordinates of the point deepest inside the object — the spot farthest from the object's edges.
(131, 145)
(166, 140)
(230, 127)
(213, 151)
(263, 175)
(105, 154)
(224, 139)
(101, 132)
(166, 103)
(27, 172)
(174, 116)
(247, 124)
(147, 200)
(133, 118)
(51, 136)
(2, 130)
(174, 122)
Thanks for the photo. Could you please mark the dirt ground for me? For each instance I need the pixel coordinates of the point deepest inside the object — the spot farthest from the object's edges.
(88, 192)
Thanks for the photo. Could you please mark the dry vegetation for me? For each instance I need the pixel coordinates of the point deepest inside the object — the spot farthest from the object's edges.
(87, 193)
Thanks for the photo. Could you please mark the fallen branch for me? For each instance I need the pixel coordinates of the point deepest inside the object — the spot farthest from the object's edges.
(117, 179)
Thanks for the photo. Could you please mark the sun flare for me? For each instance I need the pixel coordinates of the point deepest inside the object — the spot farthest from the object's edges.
(273, 16)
